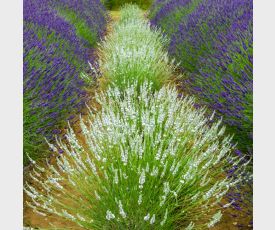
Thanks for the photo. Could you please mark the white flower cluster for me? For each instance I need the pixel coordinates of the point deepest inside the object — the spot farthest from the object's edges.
(215, 219)
(135, 52)
(141, 147)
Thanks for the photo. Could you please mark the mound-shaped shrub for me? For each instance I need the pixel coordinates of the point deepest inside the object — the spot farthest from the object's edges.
(148, 161)
(54, 58)
(135, 52)
(167, 14)
(213, 42)
(87, 16)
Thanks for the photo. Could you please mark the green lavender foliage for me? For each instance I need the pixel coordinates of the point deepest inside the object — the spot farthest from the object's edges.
(35, 150)
(135, 52)
(150, 161)
(116, 4)
(59, 39)
(82, 28)
(170, 19)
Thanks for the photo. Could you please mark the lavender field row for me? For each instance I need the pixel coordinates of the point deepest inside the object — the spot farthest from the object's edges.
(142, 123)
(59, 38)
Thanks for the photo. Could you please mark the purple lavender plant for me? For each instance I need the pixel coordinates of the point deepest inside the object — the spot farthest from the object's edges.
(91, 12)
(225, 81)
(54, 57)
(165, 9)
(212, 40)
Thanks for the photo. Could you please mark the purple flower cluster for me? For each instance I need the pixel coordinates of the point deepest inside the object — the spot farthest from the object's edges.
(197, 32)
(163, 9)
(92, 12)
(156, 6)
(42, 14)
(225, 79)
(168, 14)
(212, 40)
(54, 57)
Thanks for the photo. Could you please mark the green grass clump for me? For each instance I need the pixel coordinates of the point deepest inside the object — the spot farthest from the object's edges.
(148, 161)
(135, 52)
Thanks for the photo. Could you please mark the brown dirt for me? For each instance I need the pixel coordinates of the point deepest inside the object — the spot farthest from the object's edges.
(230, 223)
(34, 220)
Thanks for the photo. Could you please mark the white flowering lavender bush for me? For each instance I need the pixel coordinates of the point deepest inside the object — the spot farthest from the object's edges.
(149, 161)
(130, 12)
(135, 52)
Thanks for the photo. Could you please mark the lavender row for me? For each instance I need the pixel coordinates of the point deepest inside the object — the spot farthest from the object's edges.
(212, 40)
(54, 57)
